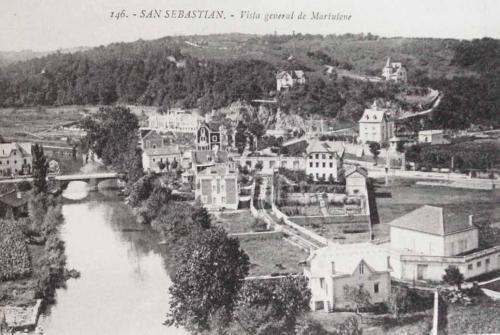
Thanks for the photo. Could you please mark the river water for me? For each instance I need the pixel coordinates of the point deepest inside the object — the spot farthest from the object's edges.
(123, 288)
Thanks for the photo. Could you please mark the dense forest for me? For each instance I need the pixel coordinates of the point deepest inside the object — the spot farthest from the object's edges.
(225, 68)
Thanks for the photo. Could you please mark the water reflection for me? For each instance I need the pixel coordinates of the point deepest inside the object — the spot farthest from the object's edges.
(123, 285)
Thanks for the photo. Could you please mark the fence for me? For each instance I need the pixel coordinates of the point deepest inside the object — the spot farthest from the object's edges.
(297, 227)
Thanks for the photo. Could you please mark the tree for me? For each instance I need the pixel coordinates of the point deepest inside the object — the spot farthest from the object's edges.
(259, 166)
(240, 138)
(357, 295)
(453, 276)
(40, 167)
(272, 307)
(375, 150)
(161, 165)
(174, 164)
(201, 217)
(210, 275)
(112, 134)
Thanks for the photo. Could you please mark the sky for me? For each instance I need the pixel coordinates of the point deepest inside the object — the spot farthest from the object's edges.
(44, 25)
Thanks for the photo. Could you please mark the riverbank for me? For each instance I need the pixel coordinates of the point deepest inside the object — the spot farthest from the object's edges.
(34, 262)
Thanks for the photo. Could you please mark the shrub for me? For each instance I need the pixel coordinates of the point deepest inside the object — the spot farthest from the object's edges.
(14, 257)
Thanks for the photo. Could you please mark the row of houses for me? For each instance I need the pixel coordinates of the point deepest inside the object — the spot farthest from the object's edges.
(423, 243)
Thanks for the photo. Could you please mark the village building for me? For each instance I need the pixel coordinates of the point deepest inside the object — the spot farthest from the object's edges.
(217, 187)
(394, 72)
(207, 138)
(332, 269)
(424, 242)
(175, 120)
(324, 160)
(288, 79)
(375, 125)
(355, 181)
(269, 162)
(158, 153)
(435, 136)
(15, 158)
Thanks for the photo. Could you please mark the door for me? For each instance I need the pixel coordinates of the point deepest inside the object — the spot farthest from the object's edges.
(421, 271)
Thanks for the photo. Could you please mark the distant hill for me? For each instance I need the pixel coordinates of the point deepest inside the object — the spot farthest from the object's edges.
(215, 70)
(9, 57)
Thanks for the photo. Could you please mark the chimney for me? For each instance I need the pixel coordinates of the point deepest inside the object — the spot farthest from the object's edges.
(333, 268)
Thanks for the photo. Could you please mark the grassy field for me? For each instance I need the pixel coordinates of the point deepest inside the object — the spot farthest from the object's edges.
(25, 123)
(239, 222)
(268, 256)
(482, 318)
(403, 196)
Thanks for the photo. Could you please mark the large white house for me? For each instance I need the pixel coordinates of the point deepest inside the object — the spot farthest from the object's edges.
(427, 240)
(158, 152)
(394, 72)
(217, 187)
(176, 120)
(375, 125)
(324, 160)
(331, 269)
(287, 79)
(15, 158)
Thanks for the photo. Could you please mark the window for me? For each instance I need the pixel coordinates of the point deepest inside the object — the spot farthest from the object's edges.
(317, 164)
(331, 157)
(317, 156)
(310, 156)
(361, 268)
(478, 264)
(331, 165)
(487, 261)
(321, 282)
(311, 164)
(154, 160)
(324, 164)
(323, 156)
(469, 267)
(375, 288)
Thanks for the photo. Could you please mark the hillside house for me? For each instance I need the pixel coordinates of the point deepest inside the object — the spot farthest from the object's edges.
(427, 240)
(330, 269)
(375, 125)
(394, 72)
(287, 79)
(435, 136)
(324, 160)
(15, 158)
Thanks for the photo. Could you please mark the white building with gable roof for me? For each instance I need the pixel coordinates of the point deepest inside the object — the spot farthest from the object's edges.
(394, 71)
(330, 269)
(375, 125)
(324, 160)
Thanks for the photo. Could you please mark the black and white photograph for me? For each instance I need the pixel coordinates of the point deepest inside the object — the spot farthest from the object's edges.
(230, 167)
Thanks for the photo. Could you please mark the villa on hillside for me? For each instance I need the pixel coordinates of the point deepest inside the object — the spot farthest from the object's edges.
(331, 269)
(375, 125)
(324, 160)
(427, 240)
(394, 72)
(287, 79)
(15, 158)
(434, 136)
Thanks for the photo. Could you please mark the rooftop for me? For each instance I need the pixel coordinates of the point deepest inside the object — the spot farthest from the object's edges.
(348, 256)
(22, 147)
(434, 220)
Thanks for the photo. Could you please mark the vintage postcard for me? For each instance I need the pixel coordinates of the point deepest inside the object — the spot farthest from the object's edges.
(324, 167)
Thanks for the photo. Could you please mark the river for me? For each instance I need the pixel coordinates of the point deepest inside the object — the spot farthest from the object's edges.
(123, 288)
